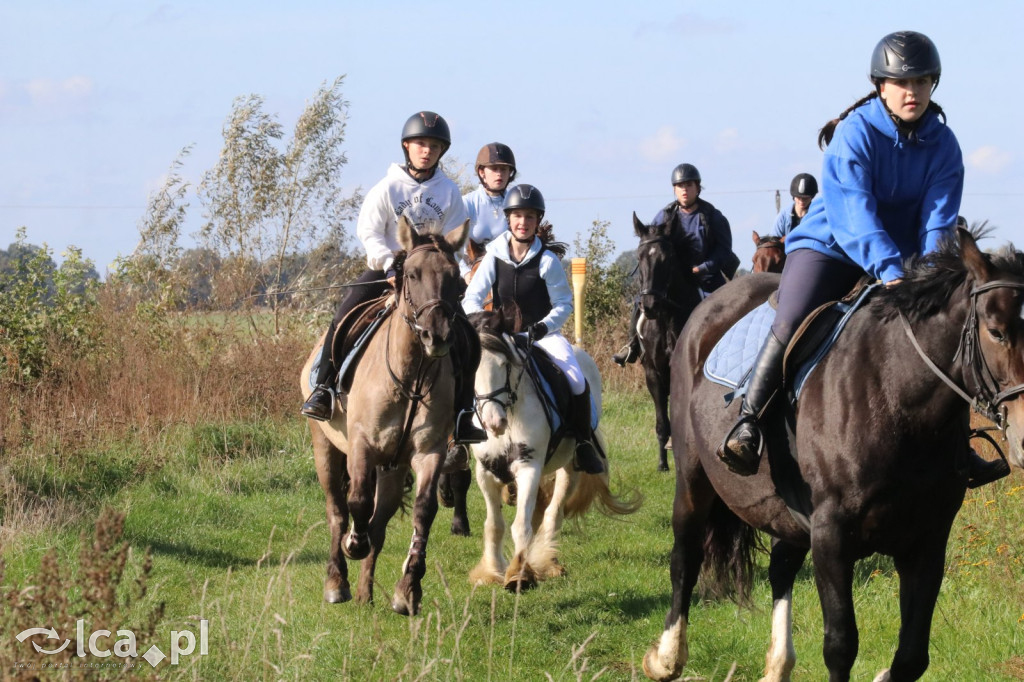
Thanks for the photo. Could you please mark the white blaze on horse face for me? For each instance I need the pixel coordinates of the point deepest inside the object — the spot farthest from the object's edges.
(1015, 431)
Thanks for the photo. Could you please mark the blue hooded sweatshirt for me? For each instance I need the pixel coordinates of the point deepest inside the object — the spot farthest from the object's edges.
(884, 197)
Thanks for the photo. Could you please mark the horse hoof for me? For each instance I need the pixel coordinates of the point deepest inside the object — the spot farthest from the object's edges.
(519, 584)
(883, 676)
(356, 547)
(337, 595)
(460, 528)
(663, 466)
(654, 669)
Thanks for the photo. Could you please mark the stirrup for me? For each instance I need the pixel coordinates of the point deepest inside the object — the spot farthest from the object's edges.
(993, 470)
(466, 431)
(313, 409)
(626, 355)
(732, 460)
(590, 461)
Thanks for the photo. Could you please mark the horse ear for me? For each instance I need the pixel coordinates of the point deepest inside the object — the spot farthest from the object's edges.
(458, 236)
(406, 233)
(638, 227)
(757, 237)
(974, 260)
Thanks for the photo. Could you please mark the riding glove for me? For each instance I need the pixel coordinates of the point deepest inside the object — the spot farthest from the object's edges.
(538, 330)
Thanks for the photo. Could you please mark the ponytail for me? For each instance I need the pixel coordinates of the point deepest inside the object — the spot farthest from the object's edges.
(829, 129)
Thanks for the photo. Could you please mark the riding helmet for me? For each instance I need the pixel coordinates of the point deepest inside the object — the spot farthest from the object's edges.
(427, 124)
(524, 196)
(496, 154)
(803, 185)
(905, 54)
(685, 172)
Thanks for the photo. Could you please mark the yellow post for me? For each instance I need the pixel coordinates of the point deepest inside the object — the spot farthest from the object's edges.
(579, 279)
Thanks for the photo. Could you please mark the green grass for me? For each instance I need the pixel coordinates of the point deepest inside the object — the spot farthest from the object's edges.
(235, 521)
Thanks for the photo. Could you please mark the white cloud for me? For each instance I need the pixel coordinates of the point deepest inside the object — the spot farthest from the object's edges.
(662, 146)
(46, 93)
(728, 140)
(989, 159)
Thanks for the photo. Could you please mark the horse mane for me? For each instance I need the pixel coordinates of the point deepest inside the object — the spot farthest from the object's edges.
(491, 325)
(931, 280)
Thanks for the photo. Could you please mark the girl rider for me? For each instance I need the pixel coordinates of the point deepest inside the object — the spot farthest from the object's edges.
(496, 168)
(420, 191)
(519, 268)
(892, 179)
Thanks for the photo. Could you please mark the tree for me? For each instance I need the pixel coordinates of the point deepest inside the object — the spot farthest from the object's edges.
(606, 281)
(264, 204)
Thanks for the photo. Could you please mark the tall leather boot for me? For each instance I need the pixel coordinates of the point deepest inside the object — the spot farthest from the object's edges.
(981, 471)
(465, 430)
(631, 351)
(741, 450)
(588, 460)
(320, 403)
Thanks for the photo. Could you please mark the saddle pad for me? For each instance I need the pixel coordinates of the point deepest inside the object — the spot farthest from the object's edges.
(732, 357)
(548, 398)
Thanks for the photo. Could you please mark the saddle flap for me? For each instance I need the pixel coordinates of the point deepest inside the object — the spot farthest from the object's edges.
(348, 341)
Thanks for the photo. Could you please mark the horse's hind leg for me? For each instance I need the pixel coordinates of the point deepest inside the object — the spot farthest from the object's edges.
(333, 477)
(666, 659)
(460, 482)
(658, 386)
(785, 563)
(920, 574)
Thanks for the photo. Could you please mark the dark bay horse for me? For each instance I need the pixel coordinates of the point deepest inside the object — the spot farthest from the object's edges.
(400, 414)
(668, 294)
(882, 441)
(769, 253)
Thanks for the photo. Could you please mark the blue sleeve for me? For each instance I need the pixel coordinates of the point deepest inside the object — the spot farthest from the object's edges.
(559, 291)
(781, 226)
(479, 288)
(942, 199)
(851, 206)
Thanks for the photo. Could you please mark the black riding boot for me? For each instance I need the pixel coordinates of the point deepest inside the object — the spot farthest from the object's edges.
(741, 450)
(981, 471)
(465, 430)
(631, 352)
(320, 403)
(588, 460)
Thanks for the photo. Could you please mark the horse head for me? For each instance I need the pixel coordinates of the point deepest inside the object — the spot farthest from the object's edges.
(429, 287)
(664, 258)
(500, 370)
(769, 254)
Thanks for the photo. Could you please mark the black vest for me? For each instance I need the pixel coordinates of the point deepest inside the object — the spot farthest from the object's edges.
(523, 286)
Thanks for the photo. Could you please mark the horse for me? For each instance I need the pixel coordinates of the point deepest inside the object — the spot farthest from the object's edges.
(668, 294)
(769, 254)
(882, 443)
(400, 413)
(517, 449)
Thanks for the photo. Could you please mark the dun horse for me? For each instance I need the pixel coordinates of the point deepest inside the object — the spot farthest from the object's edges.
(769, 253)
(399, 416)
(881, 436)
(517, 449)
(668, 294)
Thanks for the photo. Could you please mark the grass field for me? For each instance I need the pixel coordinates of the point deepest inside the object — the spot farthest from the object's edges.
(234, 520)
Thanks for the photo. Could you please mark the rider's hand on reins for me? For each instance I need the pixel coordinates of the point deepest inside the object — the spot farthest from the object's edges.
(538, 330)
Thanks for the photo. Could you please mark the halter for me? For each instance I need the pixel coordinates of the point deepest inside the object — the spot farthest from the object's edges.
(661, 295)
(978, 378)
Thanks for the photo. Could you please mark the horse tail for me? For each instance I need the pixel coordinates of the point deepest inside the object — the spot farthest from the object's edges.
(729, 550)
(593, 489)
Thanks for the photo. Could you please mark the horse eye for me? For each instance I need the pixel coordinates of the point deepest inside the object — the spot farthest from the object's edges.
(996, 334)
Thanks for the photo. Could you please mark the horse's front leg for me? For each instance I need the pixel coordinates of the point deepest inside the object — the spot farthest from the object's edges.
(667, 657)
(333, 477)
(461, 481)
(785, 563)
(408, 590)
(390, 488)
(657, 376)
(491, 569)
(519, 575)
(543, 554)
(833, 574)
(920, 574)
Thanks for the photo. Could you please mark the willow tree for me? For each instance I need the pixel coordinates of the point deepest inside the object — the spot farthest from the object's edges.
(268, 200)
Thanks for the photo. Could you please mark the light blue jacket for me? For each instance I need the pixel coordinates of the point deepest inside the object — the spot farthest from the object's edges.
(884, 197)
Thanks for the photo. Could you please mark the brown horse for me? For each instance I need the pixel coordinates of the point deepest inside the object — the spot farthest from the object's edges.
(770, 254)
(399, 417)
(882, 440)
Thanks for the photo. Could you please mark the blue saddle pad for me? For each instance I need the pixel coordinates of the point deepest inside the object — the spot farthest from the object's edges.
(549, 399)
(732, 358)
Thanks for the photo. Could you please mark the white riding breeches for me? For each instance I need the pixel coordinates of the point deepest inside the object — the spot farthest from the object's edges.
(560, 350)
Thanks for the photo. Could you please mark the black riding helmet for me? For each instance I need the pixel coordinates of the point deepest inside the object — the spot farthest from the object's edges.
(685, 172)
(803, 185)
(905, 54)
(496, 154)
(426, 124)
(524, 196)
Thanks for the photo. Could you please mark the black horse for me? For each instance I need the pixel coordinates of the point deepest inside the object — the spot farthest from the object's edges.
(881, 432)
(668, 294)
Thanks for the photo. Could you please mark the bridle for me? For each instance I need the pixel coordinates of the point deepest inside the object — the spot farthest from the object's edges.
(660, 294)
(414, 320)
(981, 389)
(507, 389)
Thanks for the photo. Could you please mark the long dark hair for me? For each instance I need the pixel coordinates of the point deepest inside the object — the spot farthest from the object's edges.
(829, 129)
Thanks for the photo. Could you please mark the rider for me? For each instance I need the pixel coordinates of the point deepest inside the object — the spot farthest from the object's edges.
(892, 180)
(520, 268)
(422, 192)
(802, 189)
(712, 238)
(496, 168)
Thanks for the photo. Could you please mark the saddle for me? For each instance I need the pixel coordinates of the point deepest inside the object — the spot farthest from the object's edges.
(351, 335)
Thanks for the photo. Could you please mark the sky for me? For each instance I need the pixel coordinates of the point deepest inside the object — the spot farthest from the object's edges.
(599, 100)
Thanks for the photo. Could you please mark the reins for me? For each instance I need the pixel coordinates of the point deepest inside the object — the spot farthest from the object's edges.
(987, 400)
